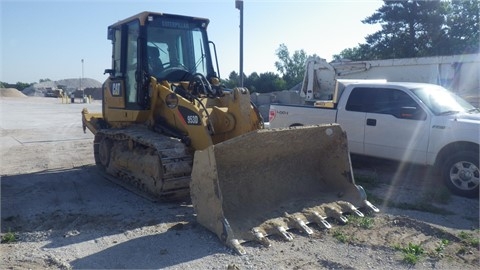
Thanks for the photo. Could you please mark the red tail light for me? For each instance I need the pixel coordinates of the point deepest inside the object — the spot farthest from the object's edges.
(271, 115)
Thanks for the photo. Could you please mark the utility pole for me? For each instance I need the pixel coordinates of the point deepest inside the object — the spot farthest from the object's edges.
(239, 6)
(83, 91)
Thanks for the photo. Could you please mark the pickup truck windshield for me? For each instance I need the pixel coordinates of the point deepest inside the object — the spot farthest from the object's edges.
(441, 101)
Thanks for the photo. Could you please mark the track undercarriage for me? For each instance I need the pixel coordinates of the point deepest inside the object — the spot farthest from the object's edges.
(150, 164)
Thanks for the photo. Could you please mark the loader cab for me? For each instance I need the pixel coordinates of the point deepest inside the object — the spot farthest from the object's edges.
(163, 46)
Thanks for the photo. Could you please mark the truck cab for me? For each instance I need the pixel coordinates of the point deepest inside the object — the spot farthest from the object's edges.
(380, 120)
(146, 45)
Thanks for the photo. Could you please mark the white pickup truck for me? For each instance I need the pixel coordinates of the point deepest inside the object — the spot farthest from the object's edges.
(408, 122)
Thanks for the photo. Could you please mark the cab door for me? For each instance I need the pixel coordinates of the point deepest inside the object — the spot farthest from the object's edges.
(352, 119)
(396, 126)
(121, 91)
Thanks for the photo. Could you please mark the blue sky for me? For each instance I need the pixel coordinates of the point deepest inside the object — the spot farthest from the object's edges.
(48, 39)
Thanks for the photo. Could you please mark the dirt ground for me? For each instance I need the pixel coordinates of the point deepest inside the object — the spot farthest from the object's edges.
(58, 212)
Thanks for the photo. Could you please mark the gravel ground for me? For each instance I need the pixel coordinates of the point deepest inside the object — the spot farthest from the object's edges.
(65, 215)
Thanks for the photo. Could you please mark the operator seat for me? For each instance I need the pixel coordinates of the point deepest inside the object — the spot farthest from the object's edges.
(155, 66)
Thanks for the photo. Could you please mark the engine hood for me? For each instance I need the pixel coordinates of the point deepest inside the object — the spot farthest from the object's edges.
(463, 126)
(467, 118)
(458, 123)
(459, 127)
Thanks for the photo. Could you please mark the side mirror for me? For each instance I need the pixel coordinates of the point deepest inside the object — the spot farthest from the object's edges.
(412, 113)
(109, 71)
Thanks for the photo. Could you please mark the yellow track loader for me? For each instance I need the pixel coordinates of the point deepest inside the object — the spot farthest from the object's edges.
(169, 130)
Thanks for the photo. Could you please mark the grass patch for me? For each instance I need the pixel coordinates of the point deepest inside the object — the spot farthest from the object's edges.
(353, 221)
(340, 236)
(441, 247)
(9, 237)
(362, 222)
(469, 238)
(462, 250)
(411, 253)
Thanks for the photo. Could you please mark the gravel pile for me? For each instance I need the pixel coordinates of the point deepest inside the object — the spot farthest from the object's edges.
(11, 92)
(38, 89)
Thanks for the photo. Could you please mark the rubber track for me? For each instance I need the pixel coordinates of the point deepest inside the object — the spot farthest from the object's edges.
(175, 158)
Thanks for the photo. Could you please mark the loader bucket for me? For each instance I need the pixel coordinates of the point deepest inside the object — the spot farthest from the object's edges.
(270, 181)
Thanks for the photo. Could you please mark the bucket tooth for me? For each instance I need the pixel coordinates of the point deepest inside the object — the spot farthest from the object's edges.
(235, 244)
(297, 220)
(261, 237)
(332, 212)
(371, 207)
(343, 219)
(348, 207)
(283, 232)
(366, 204)
(302, 225)
(358, 213)
(320, 220)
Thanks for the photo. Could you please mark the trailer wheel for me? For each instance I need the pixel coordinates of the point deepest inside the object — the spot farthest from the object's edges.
(461, 174)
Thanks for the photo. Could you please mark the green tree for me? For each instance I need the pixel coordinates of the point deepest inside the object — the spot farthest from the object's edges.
(409, 28)
(232, 80)
(420, 28)
(251, 82)
(20, 85)
(44, 80)
(270, 82)
(261, 83)
(292, 67)
(361, 52)
(462, 27)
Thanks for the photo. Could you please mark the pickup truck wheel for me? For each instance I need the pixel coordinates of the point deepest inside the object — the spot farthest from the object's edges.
(461, 174)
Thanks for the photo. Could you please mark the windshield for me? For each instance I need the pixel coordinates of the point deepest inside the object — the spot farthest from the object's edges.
(176, 43)
(441, 101)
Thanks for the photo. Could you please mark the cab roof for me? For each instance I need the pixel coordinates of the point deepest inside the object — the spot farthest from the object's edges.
(142, 16)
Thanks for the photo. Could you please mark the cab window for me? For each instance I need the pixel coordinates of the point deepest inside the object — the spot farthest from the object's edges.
(385, 101)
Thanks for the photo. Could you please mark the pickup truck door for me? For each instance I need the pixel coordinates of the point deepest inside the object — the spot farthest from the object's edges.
(352, 119)
(396, 127)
